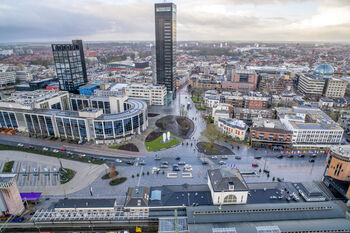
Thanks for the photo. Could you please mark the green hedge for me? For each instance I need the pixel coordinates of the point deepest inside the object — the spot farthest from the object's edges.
(117, 181)
(50, 153)
(70, 174)
(8, 166)
(106, 176)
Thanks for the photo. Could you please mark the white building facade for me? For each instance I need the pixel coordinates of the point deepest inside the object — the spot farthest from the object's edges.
(152, 94)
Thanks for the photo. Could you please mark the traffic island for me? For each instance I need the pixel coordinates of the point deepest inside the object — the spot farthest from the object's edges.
(117, 181)
(178, 125)
(159, 144)
(66, 175)
(215, 149)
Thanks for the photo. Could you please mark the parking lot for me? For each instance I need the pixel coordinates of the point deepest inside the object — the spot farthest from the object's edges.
(34, 174)
(38, 173)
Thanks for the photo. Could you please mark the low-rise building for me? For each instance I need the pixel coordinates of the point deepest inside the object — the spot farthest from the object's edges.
(311, 84)
(221, 111)
(10, 199)
(232, 127)
(311, 127)
(88, 89)
(152, 94)
(7, 79)
(247, 115)
(335, 88)
(269, 133)
(241, 80)
(227, 186)
(337, 171)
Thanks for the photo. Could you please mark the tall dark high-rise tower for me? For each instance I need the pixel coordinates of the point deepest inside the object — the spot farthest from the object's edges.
(165, 19)
(70, 65)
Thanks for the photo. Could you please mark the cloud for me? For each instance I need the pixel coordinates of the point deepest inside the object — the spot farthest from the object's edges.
(42, 20)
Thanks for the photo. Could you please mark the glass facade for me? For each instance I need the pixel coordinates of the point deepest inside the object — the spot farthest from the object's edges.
(108, 128)
(127, 125)
(82, 129)
(8, 120)
(118, 127)
(135, 122)
(49, 126)
(70, 65)
(98, 128)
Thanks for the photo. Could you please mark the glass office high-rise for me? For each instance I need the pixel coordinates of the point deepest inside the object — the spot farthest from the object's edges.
(70, 65)
(165, 25)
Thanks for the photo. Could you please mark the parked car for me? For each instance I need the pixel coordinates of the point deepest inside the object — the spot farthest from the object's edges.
(70, 152)
(17, 219)
(45, 149)
(311, 160)
(204, 162)
(165, 163)
(156, 157)
(31, 147)
(301, 155)
(238, 157)
(279, 156)
(255, 165)
(55, 150)
(257, 157)
(178, 158)
(155, 169)
(164, 166)
(63, 149)
(181, 163)
(20, 145)
(224, 157)
(214, 157)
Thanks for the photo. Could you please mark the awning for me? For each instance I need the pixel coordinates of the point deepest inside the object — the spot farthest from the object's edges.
(30, 196)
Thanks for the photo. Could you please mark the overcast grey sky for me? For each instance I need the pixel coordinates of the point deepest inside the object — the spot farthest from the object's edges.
(261, 20)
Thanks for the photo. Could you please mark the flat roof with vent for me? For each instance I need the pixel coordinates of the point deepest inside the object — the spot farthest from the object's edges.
(85, 204)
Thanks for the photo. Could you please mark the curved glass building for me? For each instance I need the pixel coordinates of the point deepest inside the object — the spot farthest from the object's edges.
(74, 117)
(324, 69)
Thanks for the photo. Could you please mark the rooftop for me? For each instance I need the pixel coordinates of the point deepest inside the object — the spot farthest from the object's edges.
(85, 203)
(343, 150)
(232, 122)
(222, 178)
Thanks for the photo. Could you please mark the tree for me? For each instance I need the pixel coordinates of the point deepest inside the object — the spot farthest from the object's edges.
(112, 172)
(211, 133)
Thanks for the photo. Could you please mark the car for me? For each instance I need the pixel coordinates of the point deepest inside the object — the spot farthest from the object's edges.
(176, 168)
(279, 156)
(17, 219)
(155, 169)
(164, 166)
(165, 163)
(103, 158)
(187, 168)
(255, 165)
(142, 162)
(313, 155)
(20, 145)
(222, 162)
(83, 155)
(63, 149)
(55, 150)
(130, 162)
(45, 149)
(178, 158)
(118, 161)
(290, 156)
(257, 157)
(214, 157)
(204, 162)
(255, 148)
(70, 152)
(311, 160)
(301, 155)
(156, 157)
(224, 157)
(181, 163)
(238, 157)
(31, 147)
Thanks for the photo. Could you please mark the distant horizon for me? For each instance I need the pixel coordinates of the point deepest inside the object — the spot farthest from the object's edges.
(182, 41)
(301, 21)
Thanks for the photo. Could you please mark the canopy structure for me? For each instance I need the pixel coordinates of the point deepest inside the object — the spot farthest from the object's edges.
(30, 196)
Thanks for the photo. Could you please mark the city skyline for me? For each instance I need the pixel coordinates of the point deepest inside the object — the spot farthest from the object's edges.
(103, 20)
